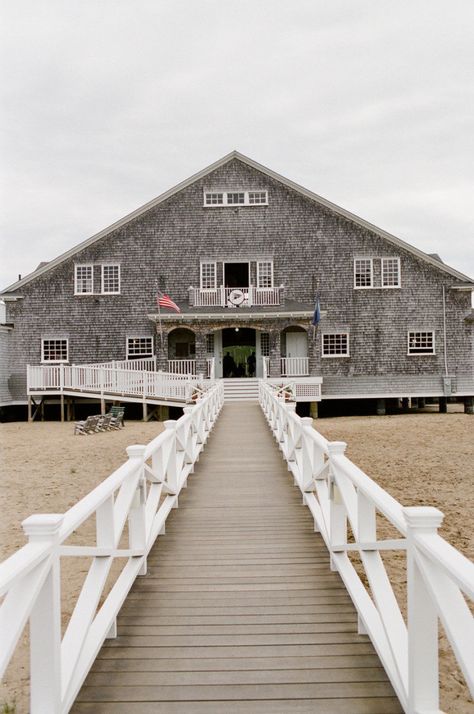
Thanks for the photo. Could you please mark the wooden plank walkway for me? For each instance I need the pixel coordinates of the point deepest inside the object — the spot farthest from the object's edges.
(239, 611)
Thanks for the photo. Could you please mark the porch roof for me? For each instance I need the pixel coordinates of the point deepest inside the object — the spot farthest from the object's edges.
(291, 309)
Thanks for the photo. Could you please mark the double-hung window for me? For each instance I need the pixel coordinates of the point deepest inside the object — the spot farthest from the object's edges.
(111, 279)
(264, 274)
(139, 347)
(335, 344)
(54, 350)
(421, 343)
(84, 280)
(390, 272)
(363, 273)
(208, 276)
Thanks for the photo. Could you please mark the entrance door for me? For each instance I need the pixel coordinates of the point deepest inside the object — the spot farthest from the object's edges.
(236, 275)
(296, 344)
(238, 350)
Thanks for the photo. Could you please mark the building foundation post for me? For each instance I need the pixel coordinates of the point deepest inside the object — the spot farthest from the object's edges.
(468, 405)
(313, 410)
(380, 408)
(29, 408)
(443, 405)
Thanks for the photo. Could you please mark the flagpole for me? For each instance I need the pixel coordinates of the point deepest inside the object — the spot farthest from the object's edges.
(158, 293)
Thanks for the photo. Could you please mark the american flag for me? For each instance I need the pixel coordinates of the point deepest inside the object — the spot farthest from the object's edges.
(165, 301)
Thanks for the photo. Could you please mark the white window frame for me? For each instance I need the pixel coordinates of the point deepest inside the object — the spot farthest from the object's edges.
(110, 292)
(398, 284)
(54, 339)
(264, 262)
(216, 199)
(207, 262)
(411, 336)
(83, 265)
(364, 287)
(339, 354)
(138, 355)
(265, 344)
(225, 193)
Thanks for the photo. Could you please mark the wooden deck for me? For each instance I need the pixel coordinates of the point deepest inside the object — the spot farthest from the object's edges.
(239, 611)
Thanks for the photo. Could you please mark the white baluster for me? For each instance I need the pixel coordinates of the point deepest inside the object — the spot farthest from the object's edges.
(137, 515)
(338, 516)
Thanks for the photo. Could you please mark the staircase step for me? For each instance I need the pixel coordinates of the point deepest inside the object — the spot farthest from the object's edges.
(241, 389)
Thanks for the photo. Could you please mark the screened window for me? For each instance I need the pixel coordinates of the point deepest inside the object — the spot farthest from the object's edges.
(421, 343)
(54, 350)
(210, 343)
(265, 344)
(208, 276)
(84, 280)
(111, 279)
(265, 274)
(390, 272)
(363, 273)
(257, 197)
(336, 344)
(235, 198)
(139, 347)
(214, 199)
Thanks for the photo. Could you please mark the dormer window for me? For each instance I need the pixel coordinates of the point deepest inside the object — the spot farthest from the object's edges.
(219, 199)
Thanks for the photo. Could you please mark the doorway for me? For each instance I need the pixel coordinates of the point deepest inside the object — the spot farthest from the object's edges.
(236, 275)
(238, 352)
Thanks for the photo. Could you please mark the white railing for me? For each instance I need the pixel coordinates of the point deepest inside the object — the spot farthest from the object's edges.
(439, 578)
(100, 380)
(148, 364)
(294, 366)
(142, 493)
(182, 366)
(229, 297)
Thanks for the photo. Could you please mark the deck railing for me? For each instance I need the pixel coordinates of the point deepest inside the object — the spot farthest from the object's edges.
(439, 578)
(182, 366)
(294, 366)
(104, 379)
(235, 297)
(142, 493)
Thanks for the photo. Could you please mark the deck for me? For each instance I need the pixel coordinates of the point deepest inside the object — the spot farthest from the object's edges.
(239, 611)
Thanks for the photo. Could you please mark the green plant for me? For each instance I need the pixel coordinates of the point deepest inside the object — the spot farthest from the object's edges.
(8, 708)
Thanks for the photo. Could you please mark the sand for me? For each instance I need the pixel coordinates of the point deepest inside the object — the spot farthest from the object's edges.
(421, 459)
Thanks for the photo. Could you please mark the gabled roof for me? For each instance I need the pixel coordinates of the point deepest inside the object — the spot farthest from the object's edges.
(268, 172)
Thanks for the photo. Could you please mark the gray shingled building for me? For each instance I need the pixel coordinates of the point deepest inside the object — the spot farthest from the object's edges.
(244, 252)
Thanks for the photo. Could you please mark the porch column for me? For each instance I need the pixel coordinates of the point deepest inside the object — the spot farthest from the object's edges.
(275, 353)
(201, 354)
(161, 348)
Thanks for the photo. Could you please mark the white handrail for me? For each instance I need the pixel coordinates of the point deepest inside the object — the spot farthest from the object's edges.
(142, 491)
(439, 578)
(251, 295)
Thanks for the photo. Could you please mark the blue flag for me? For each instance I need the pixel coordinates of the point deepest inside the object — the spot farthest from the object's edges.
(317, 313)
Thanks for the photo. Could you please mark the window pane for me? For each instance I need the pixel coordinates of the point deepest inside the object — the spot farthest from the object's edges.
(265, 344)
(363, 273)
(210, 343)
(139, 347)
(208, 276)
(214, 199)
(233, 198)
(110, 278)
(264, 274)
(336, 344)
(55, 351)
(390, 272)
(420, 343)
(84, 278)
(257, 197)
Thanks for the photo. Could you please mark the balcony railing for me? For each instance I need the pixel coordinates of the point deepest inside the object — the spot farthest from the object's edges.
(294, 366)
(182, 366)
(235, 297)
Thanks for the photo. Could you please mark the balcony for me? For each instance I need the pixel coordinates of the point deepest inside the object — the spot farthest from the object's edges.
(235, 297)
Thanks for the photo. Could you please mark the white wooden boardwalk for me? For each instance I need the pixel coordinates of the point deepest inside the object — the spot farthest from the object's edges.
(239, 611)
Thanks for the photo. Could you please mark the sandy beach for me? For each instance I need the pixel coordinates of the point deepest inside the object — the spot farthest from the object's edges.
(420, 459)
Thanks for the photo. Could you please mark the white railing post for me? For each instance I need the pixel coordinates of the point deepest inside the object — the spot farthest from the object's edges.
(337, 511)
(423, 680)
(45, 621)
(172, 473)
(137, 514)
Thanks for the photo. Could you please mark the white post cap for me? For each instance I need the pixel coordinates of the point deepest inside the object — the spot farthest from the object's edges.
(42, 525)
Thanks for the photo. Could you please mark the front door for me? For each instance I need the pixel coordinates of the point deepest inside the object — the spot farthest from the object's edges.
(296, 349)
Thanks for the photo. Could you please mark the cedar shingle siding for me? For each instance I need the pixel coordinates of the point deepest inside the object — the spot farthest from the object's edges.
(312, 247)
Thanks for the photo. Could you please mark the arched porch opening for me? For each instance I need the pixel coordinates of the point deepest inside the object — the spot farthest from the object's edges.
(294, 352)
(182, 351)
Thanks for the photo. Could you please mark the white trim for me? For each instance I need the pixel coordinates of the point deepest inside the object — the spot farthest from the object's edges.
(364, 287)
(141, 354)
(399, 284)
(112, 292)
(335, 332)
(264, 170)
(421, 354)
(83, 265)
(54, 339)
(225, 197)
(208, 262)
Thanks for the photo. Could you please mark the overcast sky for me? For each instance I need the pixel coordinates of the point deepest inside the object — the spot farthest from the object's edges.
(108, 103)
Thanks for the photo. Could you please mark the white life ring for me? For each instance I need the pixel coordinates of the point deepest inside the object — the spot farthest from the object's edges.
(236, 297)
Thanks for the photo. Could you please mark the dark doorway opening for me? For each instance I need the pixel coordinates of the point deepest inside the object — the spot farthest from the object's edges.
(238, 352)
(236, 275)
